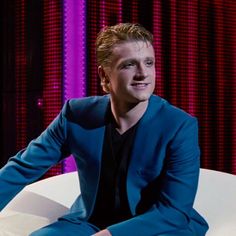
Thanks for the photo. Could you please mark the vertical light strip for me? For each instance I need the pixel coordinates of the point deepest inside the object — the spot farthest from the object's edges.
(134, 11)
(232, 124)
(174, 60)
(52, 66)
(192, 66)
(206, 128)
(74, 56)
(102, 8)
(158, 45)
(120, 11)
(220, 81)
(95, 19)
(21, 78)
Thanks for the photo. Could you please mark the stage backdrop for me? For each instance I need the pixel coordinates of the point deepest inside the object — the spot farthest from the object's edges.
(52, 60)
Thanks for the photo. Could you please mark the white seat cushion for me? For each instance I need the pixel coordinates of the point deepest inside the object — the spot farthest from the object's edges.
(44, 201)
(14, 223)
(215, 200)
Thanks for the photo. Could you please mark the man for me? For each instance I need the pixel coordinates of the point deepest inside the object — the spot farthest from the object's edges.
(137, 156)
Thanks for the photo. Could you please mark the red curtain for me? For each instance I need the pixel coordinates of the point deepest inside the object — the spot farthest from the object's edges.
(32, 72)
(195, 44)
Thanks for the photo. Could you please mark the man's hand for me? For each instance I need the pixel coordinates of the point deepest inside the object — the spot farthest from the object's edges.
(104, 232)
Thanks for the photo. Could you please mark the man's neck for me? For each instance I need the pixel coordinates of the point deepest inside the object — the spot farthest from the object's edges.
(127, 115)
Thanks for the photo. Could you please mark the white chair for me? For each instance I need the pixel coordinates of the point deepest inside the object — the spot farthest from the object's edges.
(44, 201)
(39, 204)
(49, 198)
(216, 201)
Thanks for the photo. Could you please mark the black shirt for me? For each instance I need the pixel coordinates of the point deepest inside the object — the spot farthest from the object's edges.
(112, 204)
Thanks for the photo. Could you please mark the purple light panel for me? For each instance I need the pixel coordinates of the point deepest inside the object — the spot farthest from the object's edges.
(74, 66)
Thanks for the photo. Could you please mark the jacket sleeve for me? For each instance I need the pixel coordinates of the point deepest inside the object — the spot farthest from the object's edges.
(30, 164)
(178, 186)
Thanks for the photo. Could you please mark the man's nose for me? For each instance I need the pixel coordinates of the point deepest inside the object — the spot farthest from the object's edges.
(141, 72)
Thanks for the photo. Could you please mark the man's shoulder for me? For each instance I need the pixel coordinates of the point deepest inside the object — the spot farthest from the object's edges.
(169, 110)
(84, 102)
(86, 109)
(168, 118)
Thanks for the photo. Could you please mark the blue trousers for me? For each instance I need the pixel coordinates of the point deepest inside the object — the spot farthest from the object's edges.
(66, 228)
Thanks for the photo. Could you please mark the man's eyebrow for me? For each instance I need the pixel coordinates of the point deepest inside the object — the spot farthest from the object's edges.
(150, 58)
(127, 60)
(135, 59)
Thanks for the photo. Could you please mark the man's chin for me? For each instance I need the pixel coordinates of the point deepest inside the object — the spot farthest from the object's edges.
(139, 99)
(143, 97)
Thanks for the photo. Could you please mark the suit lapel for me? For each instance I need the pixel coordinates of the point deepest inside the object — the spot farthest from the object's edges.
(145, 132)
(143, 147)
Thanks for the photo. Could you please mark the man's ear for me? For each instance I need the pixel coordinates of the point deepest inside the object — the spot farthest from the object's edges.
(105, 82)
(101, 72)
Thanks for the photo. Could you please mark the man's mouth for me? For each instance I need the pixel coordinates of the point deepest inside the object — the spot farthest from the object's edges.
(140, 85)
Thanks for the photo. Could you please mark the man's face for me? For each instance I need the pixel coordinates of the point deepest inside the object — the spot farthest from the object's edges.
(131, 75)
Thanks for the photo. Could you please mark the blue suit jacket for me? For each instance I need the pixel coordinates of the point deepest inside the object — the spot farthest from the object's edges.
(162, 176)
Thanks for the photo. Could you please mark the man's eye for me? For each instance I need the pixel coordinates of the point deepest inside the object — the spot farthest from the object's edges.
(127, 65)
(149, 63)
